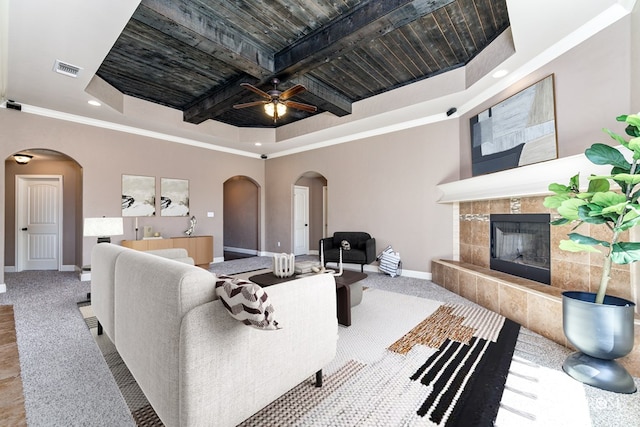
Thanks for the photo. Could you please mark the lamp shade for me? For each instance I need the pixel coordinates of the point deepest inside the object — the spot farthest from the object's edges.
(102, 227)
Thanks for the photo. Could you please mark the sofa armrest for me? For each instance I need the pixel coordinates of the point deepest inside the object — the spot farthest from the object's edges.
(103, 267)
(176, 254)
(222, 358)
(370, 250)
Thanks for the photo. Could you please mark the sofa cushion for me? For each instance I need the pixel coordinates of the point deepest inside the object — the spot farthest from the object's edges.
(247, 302)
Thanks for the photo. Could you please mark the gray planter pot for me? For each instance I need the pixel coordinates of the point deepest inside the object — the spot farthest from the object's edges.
(601, 333)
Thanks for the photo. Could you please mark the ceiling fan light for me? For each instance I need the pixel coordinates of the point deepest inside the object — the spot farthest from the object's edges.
(270, 109)
(275, 107)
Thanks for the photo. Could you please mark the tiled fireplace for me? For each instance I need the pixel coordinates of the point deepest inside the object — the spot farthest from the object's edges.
(569, 271)
(534, 305)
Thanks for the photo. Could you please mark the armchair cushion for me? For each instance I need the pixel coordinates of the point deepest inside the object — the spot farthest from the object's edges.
(247, 302)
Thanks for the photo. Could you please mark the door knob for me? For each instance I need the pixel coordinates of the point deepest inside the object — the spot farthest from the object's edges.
(24, 229)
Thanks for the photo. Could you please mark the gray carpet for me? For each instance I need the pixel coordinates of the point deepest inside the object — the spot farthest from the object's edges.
(67, 382)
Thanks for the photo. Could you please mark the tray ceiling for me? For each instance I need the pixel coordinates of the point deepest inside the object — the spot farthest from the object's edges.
(193, 55)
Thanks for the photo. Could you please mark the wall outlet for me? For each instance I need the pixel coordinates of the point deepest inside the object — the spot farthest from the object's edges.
(278, 244)
(209, 214)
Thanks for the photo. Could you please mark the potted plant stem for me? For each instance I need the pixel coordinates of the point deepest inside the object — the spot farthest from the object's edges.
(599, 325)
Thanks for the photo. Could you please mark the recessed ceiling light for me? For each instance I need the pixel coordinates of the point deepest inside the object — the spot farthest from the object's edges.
(258, 144)
(94, 103)
(500, 73)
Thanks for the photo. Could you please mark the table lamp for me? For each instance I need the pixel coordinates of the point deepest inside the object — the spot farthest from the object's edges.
(103, 228)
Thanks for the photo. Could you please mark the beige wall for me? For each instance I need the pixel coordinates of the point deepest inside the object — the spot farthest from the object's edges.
(592, 88)
(105, 155)
(383, 185)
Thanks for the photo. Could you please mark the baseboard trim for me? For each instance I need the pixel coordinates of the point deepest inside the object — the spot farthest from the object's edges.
(241, 250)
(9, 268)
(3, 288)
(69, 268)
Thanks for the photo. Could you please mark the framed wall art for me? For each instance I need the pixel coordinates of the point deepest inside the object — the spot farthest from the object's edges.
(138, 195)
(518, 131)
(174, 197)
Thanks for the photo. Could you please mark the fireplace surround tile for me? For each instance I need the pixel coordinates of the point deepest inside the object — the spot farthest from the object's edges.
(544, 312)
(467, 283)
(487, 291)
(513, 304)
(568, 275)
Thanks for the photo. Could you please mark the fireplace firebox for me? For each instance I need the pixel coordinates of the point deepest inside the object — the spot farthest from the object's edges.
(520, 245)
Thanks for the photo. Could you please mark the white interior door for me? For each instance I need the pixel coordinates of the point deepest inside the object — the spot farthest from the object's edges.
(38, 222)
(300, 220)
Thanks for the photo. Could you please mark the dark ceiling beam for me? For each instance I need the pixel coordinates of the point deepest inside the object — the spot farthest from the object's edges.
(216, 103)
(323, 96)
(227, 45)
(371, 20)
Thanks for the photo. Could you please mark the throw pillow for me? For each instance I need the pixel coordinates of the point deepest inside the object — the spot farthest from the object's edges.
(247, 302)
(346, 246)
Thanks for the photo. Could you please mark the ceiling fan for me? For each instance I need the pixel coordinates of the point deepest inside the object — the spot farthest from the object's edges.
(276, 102)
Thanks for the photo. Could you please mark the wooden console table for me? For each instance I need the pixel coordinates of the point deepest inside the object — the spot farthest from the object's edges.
(200, 248)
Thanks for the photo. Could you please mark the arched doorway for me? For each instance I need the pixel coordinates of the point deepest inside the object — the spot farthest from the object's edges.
(241, 230)
(309, 212)
(54, 231)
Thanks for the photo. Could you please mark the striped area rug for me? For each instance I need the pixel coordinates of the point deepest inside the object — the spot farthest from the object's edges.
(405, 361)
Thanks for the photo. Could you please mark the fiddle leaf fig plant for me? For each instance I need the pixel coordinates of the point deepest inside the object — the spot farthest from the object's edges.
(610, 200)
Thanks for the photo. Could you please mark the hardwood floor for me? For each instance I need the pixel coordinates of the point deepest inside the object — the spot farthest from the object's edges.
(12, 410)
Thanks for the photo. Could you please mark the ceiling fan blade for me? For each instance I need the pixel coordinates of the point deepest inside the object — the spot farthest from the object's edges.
(256, 90)
(250, 104)
(292, 91)
(301, 106)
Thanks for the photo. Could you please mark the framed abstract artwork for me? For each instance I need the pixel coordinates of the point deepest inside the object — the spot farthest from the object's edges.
(518, 131)
(138, 195)
(174, 197)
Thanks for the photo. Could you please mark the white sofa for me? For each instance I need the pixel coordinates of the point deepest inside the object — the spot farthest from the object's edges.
(196, 364)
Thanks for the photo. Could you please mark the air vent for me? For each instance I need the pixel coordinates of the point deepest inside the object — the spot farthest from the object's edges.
(66, 68)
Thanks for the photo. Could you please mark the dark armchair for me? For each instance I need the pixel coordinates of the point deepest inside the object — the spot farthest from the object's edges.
(362, 248)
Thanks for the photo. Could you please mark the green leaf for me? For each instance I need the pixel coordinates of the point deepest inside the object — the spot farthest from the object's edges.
(569, 208)
(598, 185)
(574, 183)
(591, 214)
(632, 119)
(560, 221)
(586, 240)
(602, 154)
(627, 178)
(571, 246)
(617, 209)
(634, 144)
(553, 202)
(629, 222)
(608, 198)
(625, 252)
(559, 188)
(618, 138)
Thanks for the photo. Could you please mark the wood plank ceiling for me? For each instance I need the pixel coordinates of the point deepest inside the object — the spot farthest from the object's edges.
(192, 55)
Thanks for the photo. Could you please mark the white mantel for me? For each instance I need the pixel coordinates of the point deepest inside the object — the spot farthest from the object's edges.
(530, 180)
